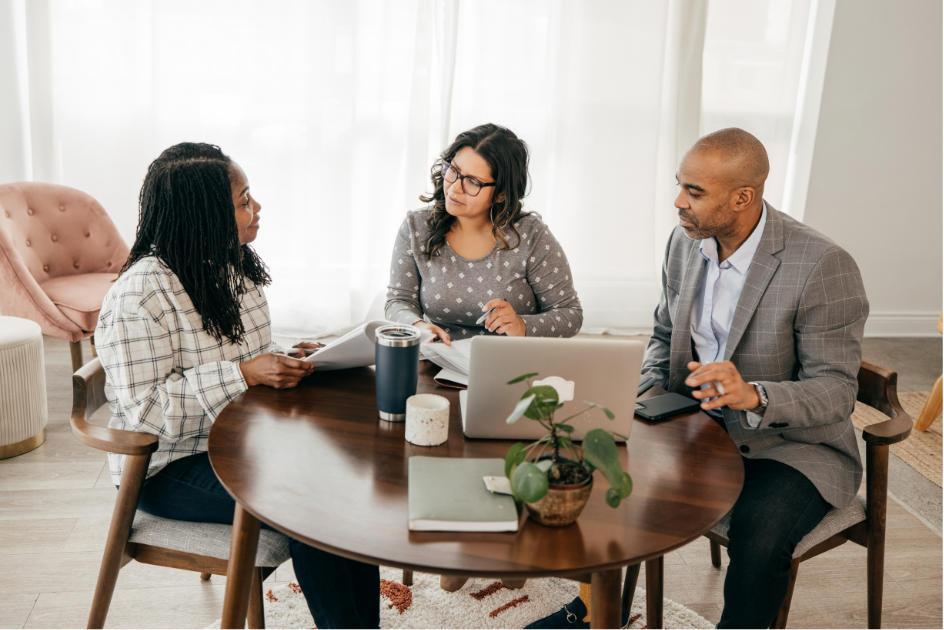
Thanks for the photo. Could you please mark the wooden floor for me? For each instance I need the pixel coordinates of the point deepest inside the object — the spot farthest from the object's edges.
(55, 503)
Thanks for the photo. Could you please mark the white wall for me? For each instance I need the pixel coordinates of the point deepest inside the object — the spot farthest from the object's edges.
(876, 179)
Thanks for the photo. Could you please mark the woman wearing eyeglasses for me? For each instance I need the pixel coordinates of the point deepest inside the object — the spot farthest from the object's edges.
(474, 251)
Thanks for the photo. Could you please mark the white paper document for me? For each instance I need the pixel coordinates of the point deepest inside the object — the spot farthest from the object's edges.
(355, 349)
(454, 360)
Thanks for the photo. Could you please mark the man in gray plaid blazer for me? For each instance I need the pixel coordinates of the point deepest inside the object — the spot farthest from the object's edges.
(761, 318)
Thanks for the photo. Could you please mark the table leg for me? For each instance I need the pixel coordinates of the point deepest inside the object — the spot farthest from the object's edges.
(605, 600)
(654, 593)
(242, 561)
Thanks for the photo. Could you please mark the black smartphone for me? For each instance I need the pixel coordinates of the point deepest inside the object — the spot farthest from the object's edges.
(666, 406)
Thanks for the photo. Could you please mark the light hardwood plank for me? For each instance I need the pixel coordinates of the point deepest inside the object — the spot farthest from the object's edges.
(16, 609)
(711, 612)
(104, 479)
(35, 504)
(89, 534)
(34, 536)
(69, 572)
(32, 475)
(194, 606)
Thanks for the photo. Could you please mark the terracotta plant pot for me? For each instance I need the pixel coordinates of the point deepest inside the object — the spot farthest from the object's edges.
(561, 505)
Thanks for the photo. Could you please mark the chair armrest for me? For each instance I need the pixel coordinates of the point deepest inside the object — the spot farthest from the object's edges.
(888, 432)
(112, 440)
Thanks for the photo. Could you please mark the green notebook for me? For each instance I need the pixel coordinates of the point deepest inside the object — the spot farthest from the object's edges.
(448, 494)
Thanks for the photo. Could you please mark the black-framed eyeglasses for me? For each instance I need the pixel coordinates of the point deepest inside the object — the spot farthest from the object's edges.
(470, 185)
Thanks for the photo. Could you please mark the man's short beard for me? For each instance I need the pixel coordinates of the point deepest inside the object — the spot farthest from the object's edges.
(704, 229)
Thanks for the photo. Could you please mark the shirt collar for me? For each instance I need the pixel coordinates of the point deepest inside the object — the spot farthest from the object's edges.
(742, 258)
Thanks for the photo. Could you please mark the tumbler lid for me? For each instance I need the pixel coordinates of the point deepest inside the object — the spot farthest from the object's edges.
(398, 336)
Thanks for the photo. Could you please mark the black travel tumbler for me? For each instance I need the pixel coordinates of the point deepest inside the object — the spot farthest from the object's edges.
(397, 354)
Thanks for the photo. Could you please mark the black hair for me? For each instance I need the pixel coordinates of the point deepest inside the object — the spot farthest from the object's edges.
(186, 218)
(507, 157)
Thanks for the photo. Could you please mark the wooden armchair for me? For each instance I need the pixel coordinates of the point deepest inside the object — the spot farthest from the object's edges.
(135, 535)
(861, 524)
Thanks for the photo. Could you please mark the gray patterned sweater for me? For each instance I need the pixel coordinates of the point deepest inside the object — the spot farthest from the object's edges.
(450, 290)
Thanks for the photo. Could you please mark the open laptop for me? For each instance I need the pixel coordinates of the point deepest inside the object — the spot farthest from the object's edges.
(605, 372)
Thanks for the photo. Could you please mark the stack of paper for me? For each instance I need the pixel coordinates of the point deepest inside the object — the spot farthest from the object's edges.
(454, 361)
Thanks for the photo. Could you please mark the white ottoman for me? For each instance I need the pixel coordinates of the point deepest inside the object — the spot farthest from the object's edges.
(23, 413)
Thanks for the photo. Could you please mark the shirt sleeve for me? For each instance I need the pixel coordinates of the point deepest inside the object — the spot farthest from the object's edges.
(137, 353)
(403, 291)
(551, 280)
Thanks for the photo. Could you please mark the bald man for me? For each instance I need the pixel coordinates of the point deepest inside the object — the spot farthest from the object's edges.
(761, 319)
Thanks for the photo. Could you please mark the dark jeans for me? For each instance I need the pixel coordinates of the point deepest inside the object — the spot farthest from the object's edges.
(777, 508)
(341, 593)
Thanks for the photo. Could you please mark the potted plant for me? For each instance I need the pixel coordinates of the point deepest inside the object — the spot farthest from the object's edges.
(553, 476)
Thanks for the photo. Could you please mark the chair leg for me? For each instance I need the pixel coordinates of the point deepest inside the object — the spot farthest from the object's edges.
(932, 408)
(75, 347)
(629, 586)
(204, 576)
(781, 621)
(513, 584)
(92, 343)
(715, 555)
(123, 515)
(876, 471)
(407, 578)
(255, 617)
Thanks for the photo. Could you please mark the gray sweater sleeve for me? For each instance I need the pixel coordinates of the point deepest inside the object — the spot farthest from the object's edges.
(552, 282)
(403, 291)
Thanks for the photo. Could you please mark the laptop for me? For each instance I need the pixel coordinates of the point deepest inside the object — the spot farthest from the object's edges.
(605, 372)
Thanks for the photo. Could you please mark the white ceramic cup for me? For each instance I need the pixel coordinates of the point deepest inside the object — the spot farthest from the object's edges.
(427, 419)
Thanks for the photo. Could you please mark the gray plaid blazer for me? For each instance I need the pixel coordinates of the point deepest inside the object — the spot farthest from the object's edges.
(797, 330)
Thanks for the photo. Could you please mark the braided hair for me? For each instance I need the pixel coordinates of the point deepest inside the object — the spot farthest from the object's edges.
(186, 218)
(507, 157)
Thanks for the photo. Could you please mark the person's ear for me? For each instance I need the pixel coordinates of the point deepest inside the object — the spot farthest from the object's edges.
(501, 198)
(744, 199)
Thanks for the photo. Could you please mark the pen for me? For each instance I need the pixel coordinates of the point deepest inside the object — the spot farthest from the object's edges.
(482, 319)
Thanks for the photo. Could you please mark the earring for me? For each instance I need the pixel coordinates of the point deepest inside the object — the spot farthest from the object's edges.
(491, 214)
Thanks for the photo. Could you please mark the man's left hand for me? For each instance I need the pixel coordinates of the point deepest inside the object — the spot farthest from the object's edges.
(737, 394)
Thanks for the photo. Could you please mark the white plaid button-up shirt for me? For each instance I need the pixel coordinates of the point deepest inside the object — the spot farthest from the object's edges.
(164, 374)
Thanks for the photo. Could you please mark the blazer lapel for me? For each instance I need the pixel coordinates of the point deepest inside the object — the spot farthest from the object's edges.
(681, 349)
(758, 277)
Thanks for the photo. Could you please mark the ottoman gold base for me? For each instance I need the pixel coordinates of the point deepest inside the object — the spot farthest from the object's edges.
(23, 446)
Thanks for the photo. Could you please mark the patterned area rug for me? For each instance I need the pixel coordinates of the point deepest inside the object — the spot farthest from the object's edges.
(921, 451)
(481, 603)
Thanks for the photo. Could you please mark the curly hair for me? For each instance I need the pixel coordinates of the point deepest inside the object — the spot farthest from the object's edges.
(507, 157)
(186, 219)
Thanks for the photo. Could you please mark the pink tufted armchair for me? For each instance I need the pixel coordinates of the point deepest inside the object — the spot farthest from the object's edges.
(59, 255)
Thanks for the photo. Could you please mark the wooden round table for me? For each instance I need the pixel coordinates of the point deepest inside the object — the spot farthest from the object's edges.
(317, 464)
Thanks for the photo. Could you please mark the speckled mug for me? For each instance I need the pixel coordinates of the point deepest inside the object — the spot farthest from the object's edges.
(427, 420)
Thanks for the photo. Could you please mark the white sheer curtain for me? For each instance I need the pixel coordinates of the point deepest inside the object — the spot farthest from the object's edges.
(337, 108)
(752, 67)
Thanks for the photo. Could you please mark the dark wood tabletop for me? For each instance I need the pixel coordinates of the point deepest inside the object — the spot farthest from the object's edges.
(317, 464)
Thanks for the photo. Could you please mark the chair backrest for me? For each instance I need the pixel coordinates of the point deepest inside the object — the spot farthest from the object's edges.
(48, 231)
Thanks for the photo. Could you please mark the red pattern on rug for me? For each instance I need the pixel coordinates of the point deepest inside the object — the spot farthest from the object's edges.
(270, 597)
(491, 589)
(400, 596)
(510, 604)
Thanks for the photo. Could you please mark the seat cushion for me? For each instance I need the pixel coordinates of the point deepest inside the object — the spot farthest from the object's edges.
(205, 539)
(80, 296)
(835, 521)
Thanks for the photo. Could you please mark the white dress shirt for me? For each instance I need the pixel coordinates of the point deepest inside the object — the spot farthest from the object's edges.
(718, 293)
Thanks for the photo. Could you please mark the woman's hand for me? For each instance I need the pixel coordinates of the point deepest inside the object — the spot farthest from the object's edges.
(275, 370)
(503, 319)
(441, 334)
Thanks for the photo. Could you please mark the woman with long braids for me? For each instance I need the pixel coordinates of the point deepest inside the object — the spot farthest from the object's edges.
(474, 250)
(184, 330)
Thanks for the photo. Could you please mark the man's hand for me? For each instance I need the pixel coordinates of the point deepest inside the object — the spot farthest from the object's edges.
(275, 370)
(503, 320)
(736, 393)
